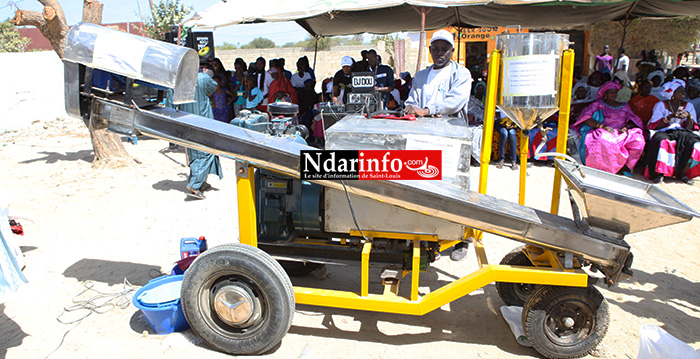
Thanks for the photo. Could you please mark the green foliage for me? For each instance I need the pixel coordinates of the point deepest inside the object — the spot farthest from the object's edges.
(167, 13)
(10, 41)
(389, 41)
(227, 46)
(259, 43)
(670, 35)
(324, 43)
(348, 41)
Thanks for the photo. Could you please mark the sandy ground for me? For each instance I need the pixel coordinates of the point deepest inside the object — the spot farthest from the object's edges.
(106, 226)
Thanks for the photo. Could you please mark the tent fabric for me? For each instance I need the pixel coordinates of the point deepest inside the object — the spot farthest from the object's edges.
(342, 17)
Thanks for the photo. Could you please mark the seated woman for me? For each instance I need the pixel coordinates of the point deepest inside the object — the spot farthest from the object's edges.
(673, 122)
(643, 103)
(611, 134)
(281, 84)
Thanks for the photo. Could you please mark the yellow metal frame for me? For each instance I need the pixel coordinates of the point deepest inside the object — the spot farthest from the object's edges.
(389, 301)
(567, 79)
(548, 268)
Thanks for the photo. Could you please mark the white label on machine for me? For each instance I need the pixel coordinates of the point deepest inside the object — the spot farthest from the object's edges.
(121, 55)
(362, 81)
(531, 75)
(450, 151)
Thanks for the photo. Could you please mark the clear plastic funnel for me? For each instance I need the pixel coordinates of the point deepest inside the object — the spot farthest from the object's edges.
(530, 88)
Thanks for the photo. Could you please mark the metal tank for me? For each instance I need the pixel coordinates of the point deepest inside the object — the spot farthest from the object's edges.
(530, 88)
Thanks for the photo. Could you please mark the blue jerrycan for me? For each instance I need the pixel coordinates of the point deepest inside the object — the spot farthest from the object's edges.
(192, 246)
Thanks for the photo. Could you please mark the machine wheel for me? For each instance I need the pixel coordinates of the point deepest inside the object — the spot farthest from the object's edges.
(238, 299)
(565, 322)
(299, 269)
(515, 293)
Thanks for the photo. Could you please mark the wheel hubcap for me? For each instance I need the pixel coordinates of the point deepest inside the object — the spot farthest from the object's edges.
(569, 323)
(235, 305)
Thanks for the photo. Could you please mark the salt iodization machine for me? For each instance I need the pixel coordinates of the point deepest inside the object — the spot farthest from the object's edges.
(239, 298)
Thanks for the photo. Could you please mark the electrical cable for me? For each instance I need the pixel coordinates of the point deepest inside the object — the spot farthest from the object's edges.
(352, 211)
(99, 303)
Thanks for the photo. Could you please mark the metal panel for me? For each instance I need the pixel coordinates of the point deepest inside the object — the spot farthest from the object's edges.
(468, 208)
(378, 216)
(135, 57)
(619, 204)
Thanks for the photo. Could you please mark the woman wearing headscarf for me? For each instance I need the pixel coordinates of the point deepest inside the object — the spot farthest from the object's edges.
(643, 103)
(611, 134)
(693, 93)
(580, 99)
(657, 79)
(673, 150)
(281, 86)
(624, 94)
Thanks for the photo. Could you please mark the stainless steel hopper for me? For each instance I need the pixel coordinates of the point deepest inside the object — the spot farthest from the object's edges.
(530, 88)
(616, 205)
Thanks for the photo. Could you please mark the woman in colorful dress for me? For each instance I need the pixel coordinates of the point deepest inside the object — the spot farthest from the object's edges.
(611, 134)
(673, 150)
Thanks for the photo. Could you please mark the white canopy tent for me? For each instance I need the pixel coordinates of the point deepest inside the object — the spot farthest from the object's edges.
(347, 17)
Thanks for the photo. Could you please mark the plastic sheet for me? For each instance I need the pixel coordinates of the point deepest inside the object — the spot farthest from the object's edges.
(513, 316)
(11, 259)
(656, 343)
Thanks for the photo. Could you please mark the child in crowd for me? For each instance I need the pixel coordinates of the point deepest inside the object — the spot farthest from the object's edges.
(222, 99)
(253, 94)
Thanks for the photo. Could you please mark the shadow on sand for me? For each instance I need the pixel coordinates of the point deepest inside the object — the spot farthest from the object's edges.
(11, 334)
(663, 296)
(111, 272)
(53, 157)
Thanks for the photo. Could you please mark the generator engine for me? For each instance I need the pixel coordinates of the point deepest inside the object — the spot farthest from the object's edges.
(281, 124)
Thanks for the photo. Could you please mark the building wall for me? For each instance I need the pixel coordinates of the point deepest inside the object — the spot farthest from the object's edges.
(31, 96)
(327, 62)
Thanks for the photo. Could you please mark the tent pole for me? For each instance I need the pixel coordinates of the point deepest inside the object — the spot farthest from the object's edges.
(627, 22)
(421, 41)
(315, 51)
(459, 43)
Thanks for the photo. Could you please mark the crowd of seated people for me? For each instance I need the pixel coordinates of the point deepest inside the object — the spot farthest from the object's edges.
(649, 126)
(621, 126)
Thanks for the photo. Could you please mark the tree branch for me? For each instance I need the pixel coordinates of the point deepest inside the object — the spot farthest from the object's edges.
(29, 18)
(51, 23)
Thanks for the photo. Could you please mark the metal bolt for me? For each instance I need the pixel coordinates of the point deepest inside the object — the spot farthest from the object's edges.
(569, 322)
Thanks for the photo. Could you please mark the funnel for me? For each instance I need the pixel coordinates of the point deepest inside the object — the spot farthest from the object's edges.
(530, 88)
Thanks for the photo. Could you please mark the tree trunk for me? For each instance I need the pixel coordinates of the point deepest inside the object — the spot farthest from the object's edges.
(92, 12)
(107, 146)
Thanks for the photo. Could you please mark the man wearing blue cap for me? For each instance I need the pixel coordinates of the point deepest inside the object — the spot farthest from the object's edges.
(442, 90)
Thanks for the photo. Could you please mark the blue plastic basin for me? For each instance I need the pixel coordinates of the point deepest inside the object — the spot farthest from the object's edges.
(159, 300)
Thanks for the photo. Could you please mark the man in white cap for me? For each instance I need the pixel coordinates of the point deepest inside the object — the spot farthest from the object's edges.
(443, 88)
(342, 82)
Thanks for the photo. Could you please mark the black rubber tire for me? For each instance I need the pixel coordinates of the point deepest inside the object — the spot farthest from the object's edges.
(299, 269)
(544, 313)
(515, 293)
(268, 282)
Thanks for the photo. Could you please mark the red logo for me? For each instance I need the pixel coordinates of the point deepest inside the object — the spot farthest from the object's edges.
(400, 165)
(371, 165)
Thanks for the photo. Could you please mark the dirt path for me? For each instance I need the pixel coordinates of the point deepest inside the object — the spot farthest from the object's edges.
(107, 225)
